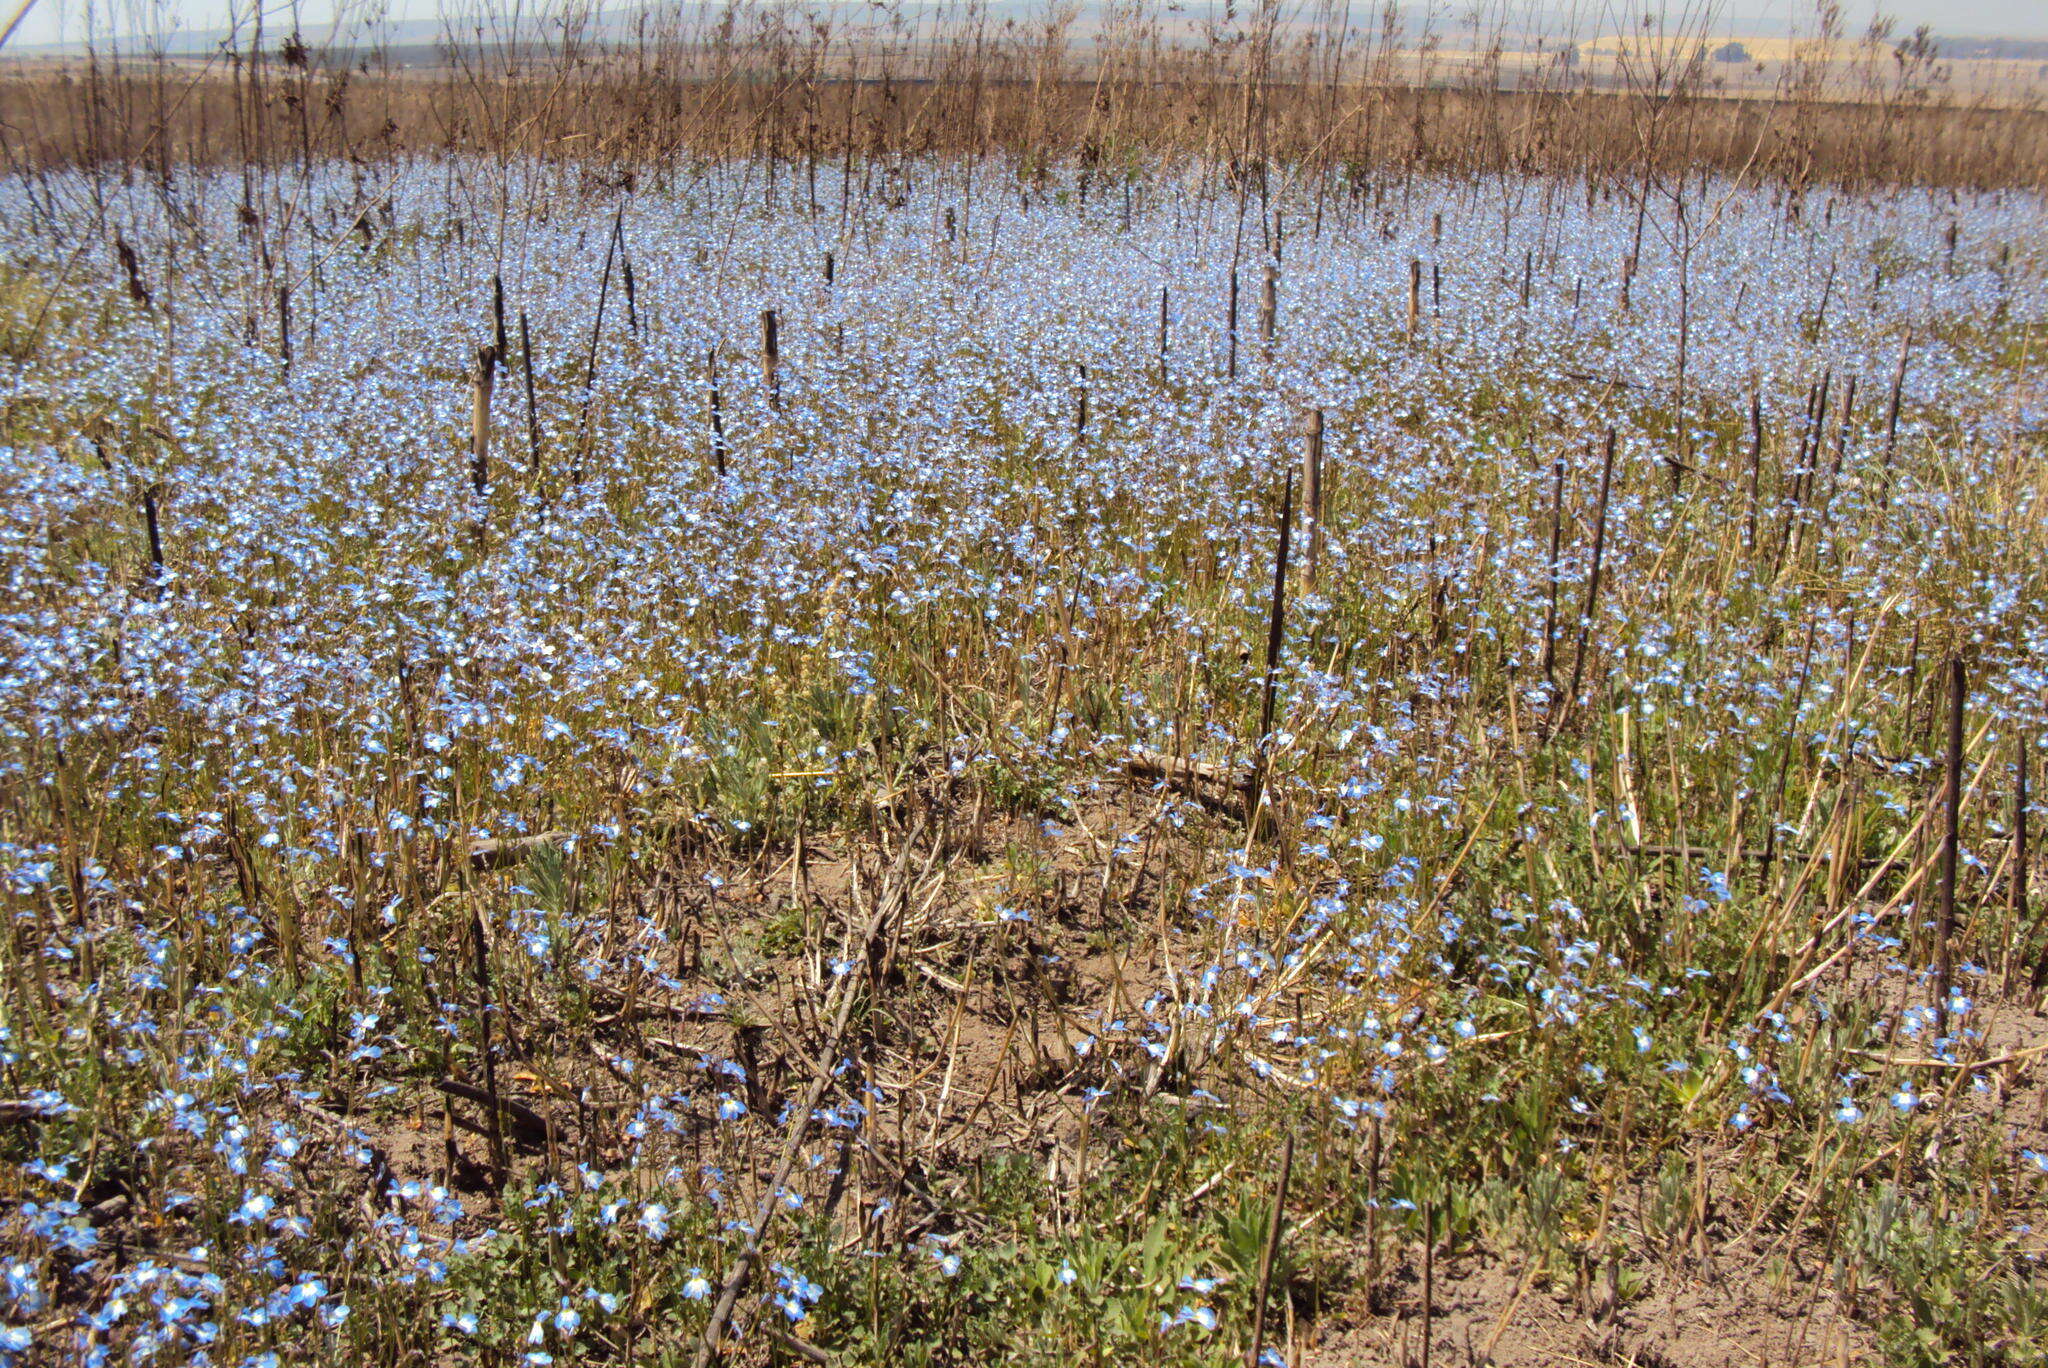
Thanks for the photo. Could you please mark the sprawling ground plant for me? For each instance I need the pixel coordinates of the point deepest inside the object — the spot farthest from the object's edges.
(596, 770)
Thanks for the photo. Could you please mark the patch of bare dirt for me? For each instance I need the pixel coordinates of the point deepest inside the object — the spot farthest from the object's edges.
(1493, 1313)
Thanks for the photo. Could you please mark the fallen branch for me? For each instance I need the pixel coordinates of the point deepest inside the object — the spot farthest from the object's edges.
(507, 851)
(1966, 1066)
(15, 1112)
(1216, 787)
(1148, 764)
(802, 1348)
(532, 1126)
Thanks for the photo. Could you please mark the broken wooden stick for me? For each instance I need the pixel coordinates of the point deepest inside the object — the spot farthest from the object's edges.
(507, 851)
(528, 1124)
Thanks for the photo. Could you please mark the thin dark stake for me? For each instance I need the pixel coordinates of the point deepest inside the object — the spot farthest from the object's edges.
(1756, 465)
(1826, 508)
(1944, 950)
(1592, 583)
(2020, 856)
(604, 285)
(1230, 327)
(717, 414)
(1162, 334)
(1278, 617)
(1556, 568)
(2019, 844)
(1274, 629)
(1312, 492)
(771, 358)
(152, 521)
(626, 269)
(1269, 308)
(496, 1109)
(498, 315)
(481, 381)
(1269, 1253)
(532, 410)
(284, 326)
(1891, 419)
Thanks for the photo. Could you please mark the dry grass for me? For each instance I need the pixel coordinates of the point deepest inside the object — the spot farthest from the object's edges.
(1311, 93)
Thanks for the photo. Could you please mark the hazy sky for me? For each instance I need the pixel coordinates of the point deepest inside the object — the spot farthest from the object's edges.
(58, 20)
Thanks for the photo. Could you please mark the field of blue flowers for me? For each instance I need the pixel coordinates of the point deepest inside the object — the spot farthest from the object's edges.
(1175, 771)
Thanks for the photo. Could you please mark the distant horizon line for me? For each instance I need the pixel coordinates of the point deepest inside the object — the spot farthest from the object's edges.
(623, 22)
